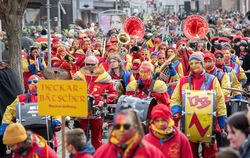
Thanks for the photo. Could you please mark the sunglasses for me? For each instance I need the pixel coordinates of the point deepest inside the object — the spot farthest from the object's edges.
(161, 58)
(125, 126)
(90, 64)
(163, 48)
(30, 81)
(217, 57)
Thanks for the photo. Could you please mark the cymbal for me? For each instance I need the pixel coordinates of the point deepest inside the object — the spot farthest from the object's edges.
(234, 89)
(55, 73)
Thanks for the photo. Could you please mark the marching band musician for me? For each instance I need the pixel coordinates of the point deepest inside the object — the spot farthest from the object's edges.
(157, 42)
(105, 64)
(126, 139)
(219, 62)
(33, 64)
(161, 58)
(209, 65)
(174, 70)
(117, 72)
(76, 50)
(165, 136)
(146, 84)
(64, 61)
(198, 79)
(98, 82)
(31, 96)
(241, 76)
(184, 53)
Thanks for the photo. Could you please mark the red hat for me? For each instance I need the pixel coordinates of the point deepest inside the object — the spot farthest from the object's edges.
(209, 55)
(113, 40)
(218, 51)
(161, 111)
(206, 51)
(221, 39)
(157, 40)
(160, 54)
(171, 48)
(109, 44)
(214, 38)
(181, 41)
(55, 40)
(112, 47)
(238, 37)
(163, 46)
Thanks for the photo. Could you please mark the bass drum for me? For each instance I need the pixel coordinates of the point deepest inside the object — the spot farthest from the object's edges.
(27, 115)
(142, 106)
(198, 121)
(235, 105)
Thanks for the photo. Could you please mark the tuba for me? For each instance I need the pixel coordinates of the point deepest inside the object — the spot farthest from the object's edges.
(195, 27)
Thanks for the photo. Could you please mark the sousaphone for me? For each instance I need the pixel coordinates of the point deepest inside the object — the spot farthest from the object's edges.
(195, 27)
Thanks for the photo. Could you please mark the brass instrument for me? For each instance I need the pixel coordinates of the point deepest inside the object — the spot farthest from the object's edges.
(247, 17)
(70, 55)
(123, 38)
(165, 66)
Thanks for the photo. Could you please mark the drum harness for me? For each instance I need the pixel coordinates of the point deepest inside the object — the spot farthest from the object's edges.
(147, 92)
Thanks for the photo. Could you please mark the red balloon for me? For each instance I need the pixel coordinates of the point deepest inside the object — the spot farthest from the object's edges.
(133, 26)
(195, 27)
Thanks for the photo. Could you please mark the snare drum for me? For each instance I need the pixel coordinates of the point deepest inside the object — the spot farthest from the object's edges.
(235, 105)
(27, 115)
(143, 106)
(198, 121)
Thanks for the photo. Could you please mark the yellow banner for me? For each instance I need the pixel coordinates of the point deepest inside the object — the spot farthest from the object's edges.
(62, 98)
(198, 117)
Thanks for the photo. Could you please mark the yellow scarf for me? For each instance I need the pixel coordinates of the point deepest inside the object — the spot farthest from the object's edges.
(127, 145)
(163, 134)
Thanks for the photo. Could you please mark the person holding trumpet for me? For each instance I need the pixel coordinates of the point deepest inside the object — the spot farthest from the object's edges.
(33, 64)
(64, 60)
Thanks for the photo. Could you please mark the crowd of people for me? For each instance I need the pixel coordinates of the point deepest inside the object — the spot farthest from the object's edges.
(161, 65)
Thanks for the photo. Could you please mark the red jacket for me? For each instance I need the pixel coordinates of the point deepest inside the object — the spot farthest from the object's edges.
(176, 147)
(110, 150)
(38, 149)
(82, 155)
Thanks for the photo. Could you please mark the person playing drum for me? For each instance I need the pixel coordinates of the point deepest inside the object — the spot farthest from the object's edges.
(146, 84)
(199, 80)
(165, 136)
(117, 72)
(31, 96)
(98, 82)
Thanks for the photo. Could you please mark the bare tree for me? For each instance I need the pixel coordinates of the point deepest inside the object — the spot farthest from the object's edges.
(11, 14)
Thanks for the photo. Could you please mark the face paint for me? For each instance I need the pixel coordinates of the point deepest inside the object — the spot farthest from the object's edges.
(123, 134)
(160, 123)
(32, 84)
(208, 64)
(145, 75)
(227, 57)
(144, 54)
(195, 66)
(161, 60)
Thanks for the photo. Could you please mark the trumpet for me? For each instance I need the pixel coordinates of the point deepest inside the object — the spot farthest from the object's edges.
(70, 55)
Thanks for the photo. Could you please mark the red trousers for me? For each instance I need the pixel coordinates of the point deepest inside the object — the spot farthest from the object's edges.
(96, 130)
(208, 151)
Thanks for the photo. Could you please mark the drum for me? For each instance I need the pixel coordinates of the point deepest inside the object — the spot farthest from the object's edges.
(110, 112)
(93, 112)
(198, 121)
(27, 115)
(143, 106)
(235, 105)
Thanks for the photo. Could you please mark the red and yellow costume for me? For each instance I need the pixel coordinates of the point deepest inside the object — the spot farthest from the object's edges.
(199, 80)
(38, 149)
(159, 90)
(59, 61)
(172, 142)
(98, 83)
